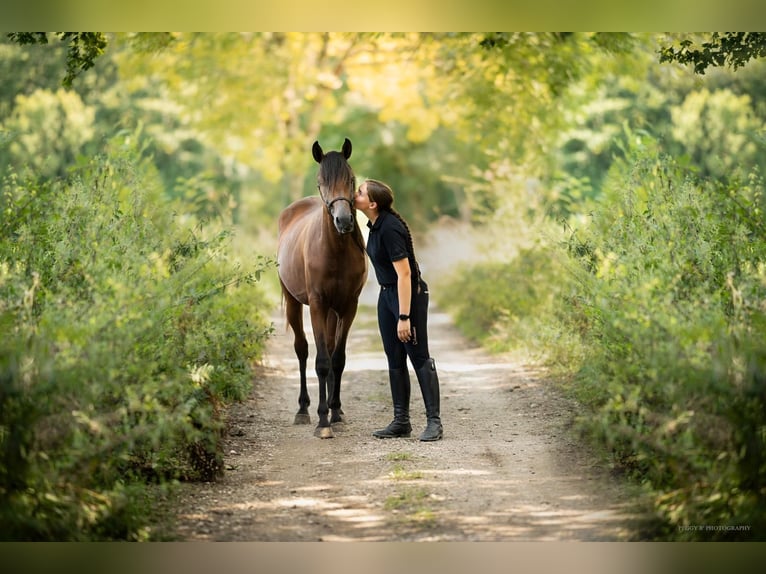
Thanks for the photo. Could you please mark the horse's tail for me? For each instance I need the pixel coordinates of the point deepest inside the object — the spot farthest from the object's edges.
(282, 301)
(284, 314)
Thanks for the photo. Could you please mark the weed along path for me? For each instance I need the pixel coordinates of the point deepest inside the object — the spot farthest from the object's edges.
(508, 468)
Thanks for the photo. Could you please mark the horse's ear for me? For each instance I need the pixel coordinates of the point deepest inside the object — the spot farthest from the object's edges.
(346, 149)
(317, 152)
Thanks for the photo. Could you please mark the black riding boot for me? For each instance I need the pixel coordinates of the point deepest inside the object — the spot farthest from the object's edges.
(400, 393)
(429, 386)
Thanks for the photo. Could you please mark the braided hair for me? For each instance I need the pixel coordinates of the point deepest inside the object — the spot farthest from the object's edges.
(383, 195)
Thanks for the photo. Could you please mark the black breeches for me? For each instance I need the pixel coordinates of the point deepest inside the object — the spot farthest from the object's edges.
(388, 318)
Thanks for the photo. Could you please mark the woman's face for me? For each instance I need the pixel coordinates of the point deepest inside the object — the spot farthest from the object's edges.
(361, 199)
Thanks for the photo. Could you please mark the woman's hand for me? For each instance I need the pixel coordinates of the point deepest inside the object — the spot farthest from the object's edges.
(403, 330)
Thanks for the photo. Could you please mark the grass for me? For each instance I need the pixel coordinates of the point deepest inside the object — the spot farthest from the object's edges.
(413, 504)
(410, 501)
(407, 499)
(398, 456)
(401, 473)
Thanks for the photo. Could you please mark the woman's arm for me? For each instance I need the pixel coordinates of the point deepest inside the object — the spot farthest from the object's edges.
(404, 290)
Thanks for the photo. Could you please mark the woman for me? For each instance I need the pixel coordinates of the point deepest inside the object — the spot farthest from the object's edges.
(402, 310)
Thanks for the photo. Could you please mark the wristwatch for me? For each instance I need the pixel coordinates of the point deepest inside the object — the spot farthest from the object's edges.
(403, 317)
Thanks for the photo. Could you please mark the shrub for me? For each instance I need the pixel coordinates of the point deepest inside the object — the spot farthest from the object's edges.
(670, 283)
(502, 304)
(126, 331)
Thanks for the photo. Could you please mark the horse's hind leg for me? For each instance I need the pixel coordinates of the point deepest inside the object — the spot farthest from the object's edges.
(294, 312)
(340, 336)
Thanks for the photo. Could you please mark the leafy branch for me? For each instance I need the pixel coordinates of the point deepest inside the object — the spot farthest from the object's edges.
(82, 49)
(734, 49)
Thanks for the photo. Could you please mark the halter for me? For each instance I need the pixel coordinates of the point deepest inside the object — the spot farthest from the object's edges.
(330, 203)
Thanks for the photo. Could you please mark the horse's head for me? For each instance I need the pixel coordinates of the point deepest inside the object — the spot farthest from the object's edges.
(336, 183)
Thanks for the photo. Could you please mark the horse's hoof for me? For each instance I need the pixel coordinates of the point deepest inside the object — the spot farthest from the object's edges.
(302, 419)
(323, 432)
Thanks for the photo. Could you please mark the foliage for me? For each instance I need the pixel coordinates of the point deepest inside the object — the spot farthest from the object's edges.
(126, 332)
(416, 106)
(501, 304)
(513, 80)
(82, 49)
(713, 124)
(719, 133)
(617, 92)
(47, 132)
(670, 279)
(734, 49)
(232, 116)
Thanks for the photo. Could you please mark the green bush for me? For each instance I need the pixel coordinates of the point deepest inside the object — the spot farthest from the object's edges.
(671, 279)
(502, 304)
(126, 331)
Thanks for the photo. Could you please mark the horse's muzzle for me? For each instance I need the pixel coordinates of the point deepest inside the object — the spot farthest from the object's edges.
(344, 224)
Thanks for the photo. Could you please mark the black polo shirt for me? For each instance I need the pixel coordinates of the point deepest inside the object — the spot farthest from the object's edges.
(386, 243)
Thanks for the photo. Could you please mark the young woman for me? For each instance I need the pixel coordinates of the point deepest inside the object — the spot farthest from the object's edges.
(402, 310)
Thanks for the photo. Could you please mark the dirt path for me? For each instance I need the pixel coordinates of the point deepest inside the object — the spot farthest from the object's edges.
(507, 469)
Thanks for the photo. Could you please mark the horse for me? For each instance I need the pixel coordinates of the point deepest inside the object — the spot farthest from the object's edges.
(322, 264)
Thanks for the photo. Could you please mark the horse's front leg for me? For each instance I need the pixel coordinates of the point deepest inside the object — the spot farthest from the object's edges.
(337, 363)
(323, 368)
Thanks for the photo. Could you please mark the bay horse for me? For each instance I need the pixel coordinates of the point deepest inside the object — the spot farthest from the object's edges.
(322, 263)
